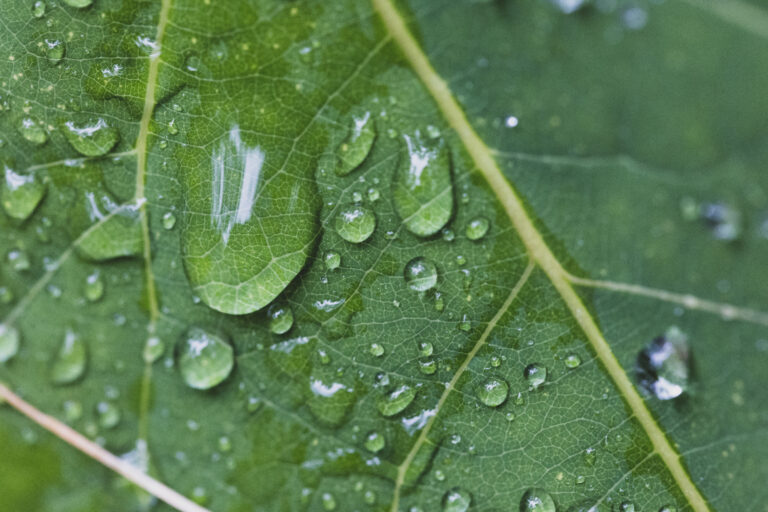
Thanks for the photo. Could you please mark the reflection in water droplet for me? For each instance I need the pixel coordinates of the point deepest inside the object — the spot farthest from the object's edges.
(572, 361)
(663, 367)
(535, 374)
(9, 342)
(93, 139)
(537, 500)
(477, 228)
(420, 274)
(427, 366)
(94, 287)
(205, 359)
(38, 9)
(332, 260)
(109, 415)
(493, 392)
(355, 224)
(70, 360)
(357, 145)
(456, 500)
(54, 50)
(426, 348)
(627, 506)
(423, 186)
(169, 220)
(33, 131)
(396, 401)
(374, 442)
(376, 350)
(20, 194)
(280, 318)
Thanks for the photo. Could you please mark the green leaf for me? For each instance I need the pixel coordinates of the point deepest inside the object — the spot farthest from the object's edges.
(384, 256)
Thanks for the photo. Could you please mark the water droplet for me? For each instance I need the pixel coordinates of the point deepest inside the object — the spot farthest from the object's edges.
(510, 416)
(465, 325)
(425, 348)
(420, 274)
(627, 506)
(456, 500)
(448, 235)
(511, 122)
(21, 193)
(169, 220)
(280, 318)
(569, 6)
(493, 392)
(357, 197)
(172, 128)
(427, 366)
(9, 342)
(200, 495)
(115, 232)
(433, 132)
(369, 497)
(668, 508)
(376, 350)
(663, 367)
(93, 139)
(580, 479)
(537, 500)
(330, 400)
(423, 186)
(109, 415)
(54, 50)
(78, 3)
(495, 361)
(70, 360)
(373, 194)
(38, 9)
(374, 442)
(590, 455)
(73, 410)
(154, 348)
(205, 359)
(396, 401)
(329, 502)
(357, 145)
(355, 224)
(253, 404)
(572, 361)
(535, 374)
(94, 287)
(332, 260)
(477, 228)
(724, 220)
(6, 295)
(33, 131)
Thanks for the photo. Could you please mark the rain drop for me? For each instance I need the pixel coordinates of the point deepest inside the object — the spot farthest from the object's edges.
(535, 374)
(78, 3)
(477, 228)
(355, 223)
(154, 348)
(427, 366)
(20, 194)
(376, 350)
(456, 500)
(627, 506)
(332, 260)
(70, 360)
(33, 131)
(94, 287)
(329, 502)
(374, 442)
(353, 150)
(420, 274)
(572, 361)
(93, 139)
(9, 342)
(537, 500)
(493, 392)
(724, 221)
(280, 318)
(205, 359)
(169, 220)
(396, 401)
(38, 9)
(54, 50)
(425, 348)
(663, 367)
(109, 415)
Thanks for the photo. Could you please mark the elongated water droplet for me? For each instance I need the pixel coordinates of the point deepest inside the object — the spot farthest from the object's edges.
(38, 9)
(537, 500)
(477, 228)
(70, 360)
(357, 145)
(54, 50)
(94, 287)
(423, 186)
(355, 224)
(374, 442)
(420, 274)
(92, 139)
(153, 349)
(109, 415)
(21, 193)
(332, 260)
(78, 3)
(205, 359)
(9, 342)
(493, 392)
(663, 367)
(169, 220)
(280, 318)
(456, 500)
(396, 400)
(535, 374)
(33, 131)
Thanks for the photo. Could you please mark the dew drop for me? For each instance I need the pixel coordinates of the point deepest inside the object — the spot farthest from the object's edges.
(423, 186)
(169, 220)
(374, 442)
(94, 287)
(205, 359)
(38, 9)
(6, 295)
(154, 348)
(355, 223)
(724, 221)
(373, 195)
(280, 318)
(477, 228)
(20, 194)
(448, 235)
(353, 150)
(427, 366)
(328, 501)
(425, 348)
(537, 500)
(93, 139)
(572, 361)
(456, 500)
(330, 400)
(9, 342)
(535, 374)
(253, 404)
(569, 6)
(396, 401)
(376, 350)
(73, 410)
(54, 50)
(109, 415)
(663, 367)
(420, 274)
(172, 128)
(590, 455)
(70, 360)
(332, 260)
(33, 131)
(668, 508)
(511, 122)
(78, 3)
(493, 392)
(627, 506)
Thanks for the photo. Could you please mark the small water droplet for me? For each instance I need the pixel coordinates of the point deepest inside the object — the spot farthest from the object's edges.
(109, 415)
(253, 404)
(369, 497)
(70, 360)
(92, 139)
(169, 220)
(200, 495)
(78, 3)
(154, 348)
(511, 122)
(420, 274)
(205, 359)
(376, 350)
(54, 50)
(590, 455)
(433, 132)
(21, 193)
(373, 194)
(510, 416)
(495, 361)
(33, 131)
(627, 506)
(6, 295)
(724, 221)
(537, 500)
(280, 318)
(9, 342)
(225, 445)
(569, 6)
(374, 442)
(572, 361)
(396, 400)
(73, 410)
(535, 374)
(172, 128)
(357, 197)
(663, 367)
(425, 348)
(465, 324)
(332, 260)
(38, 9)
(94, 287)
(427, 366)
(668, 508)
(477, 228)
(329, 502)
(355, 148)
(493, 392)
(355, 223)
(580, 479)
(448, 235)
(456, 500)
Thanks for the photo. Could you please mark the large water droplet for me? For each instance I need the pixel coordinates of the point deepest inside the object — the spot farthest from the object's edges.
(537, 500)
(355, 223)
(93, 139)
(115, 232)
(21, 193)
(396, 400)
(70, 360)
(423, 186)
(493, 392)
(9, 342)
(205, 359)
(663, 367)
(38, 9)
(456, 500)
(374, 442)
(420, 274)
(33, 131)
(330, 401)
(477, 228)
(54, 50)
(535, 374)
(357, 145)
